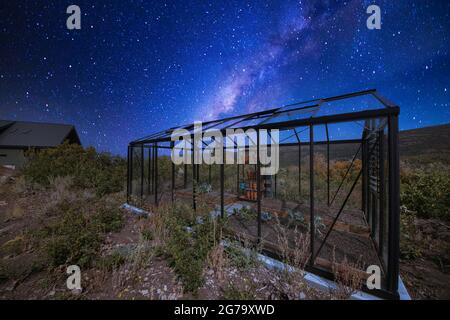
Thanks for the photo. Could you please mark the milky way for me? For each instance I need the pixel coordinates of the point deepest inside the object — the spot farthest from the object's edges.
(136, 67)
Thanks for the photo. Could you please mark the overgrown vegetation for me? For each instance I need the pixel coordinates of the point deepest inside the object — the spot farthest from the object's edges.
(111, 261)
(239, 258)
(245, 213)
(75, 236)
(188, 241)
(424, 223)
(89, 169)
(427, 191)
(66, 195)
(410, 237)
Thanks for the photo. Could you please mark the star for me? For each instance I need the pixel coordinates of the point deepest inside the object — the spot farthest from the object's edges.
(145, 67)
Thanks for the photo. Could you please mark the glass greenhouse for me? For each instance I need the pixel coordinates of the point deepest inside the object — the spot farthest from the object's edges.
(337, 183)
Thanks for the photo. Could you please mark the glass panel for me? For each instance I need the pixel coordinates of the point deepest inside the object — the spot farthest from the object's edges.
(247, 123)
(345, 130)
(288, 136)
(217, 125)
(296, 106)
(290, 115)
(349, 105)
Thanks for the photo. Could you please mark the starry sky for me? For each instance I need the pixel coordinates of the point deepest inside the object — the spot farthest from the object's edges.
(137, 67)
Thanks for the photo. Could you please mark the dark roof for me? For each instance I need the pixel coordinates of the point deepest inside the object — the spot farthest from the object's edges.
(5, 124)
(24, 134)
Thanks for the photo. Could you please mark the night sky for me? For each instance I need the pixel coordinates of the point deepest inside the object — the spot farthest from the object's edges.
(137, 67)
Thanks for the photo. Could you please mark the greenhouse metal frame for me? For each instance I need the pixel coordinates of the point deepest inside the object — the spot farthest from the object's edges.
(377, 141)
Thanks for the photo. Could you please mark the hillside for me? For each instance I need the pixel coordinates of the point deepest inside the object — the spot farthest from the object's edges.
(430, 142)
(433, 140)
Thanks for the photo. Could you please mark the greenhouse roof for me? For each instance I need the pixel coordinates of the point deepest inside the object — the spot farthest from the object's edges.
(347, 107)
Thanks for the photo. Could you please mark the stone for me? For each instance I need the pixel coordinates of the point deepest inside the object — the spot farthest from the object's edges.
(76, 292)
(144, 292)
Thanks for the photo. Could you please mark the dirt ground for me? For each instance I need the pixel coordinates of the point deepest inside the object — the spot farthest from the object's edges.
(426, 277)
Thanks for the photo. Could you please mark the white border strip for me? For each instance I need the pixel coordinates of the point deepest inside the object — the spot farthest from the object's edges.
(321, 283)
(318, 282)
(135, 210)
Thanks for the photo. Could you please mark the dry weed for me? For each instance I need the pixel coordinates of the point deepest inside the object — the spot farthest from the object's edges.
(348, 278)
(295, 253)
(60, 187)
(289, 283)
(140, 257)
(158, 226)
(217, 261)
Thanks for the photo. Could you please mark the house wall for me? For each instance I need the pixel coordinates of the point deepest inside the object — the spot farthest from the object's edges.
(12, 157)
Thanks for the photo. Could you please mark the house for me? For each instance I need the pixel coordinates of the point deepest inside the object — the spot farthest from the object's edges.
(18, 136)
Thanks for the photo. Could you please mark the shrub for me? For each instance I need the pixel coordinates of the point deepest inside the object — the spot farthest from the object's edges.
(88, 168)
(188, 248)
(241, 259)
(147, 235)
(107, 219)
(427, 193)
(140, 256)
(111, 261)
(188, 263)
(75, 236)
(410, 236)
(245, 213)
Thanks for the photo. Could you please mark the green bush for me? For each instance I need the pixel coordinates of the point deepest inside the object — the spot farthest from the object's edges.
(188, 248)
(75, 236)
(107, 219)
(111, 261)
(147, 235)
(410, 244)
(427, 193)
(239, 258)
(89, 169)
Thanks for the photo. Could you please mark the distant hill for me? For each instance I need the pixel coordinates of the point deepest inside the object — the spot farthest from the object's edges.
(433, 140)
(429, 142)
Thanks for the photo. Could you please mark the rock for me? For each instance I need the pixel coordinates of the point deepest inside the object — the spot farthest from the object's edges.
(144, 292)
(199, 220)
(77, 292)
